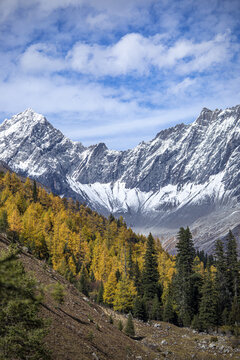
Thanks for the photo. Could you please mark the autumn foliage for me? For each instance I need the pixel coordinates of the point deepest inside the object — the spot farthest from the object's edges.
(82, 245)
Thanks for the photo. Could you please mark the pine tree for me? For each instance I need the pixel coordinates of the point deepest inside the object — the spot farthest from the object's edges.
(197, 282)
(221, 281)
(168, 310)
(137, 278)
(100, 294)
(232, 267)
(234, 316)
(35, 191)
(208, 305)
(196, 323)
(83, 284)
(130, 264)
(118, 275)
(150, 276)
(183, 279)
(139, 309)
(156, 310)
(129, 329)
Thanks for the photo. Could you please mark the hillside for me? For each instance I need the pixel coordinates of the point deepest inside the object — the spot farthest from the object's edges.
(127, 272)
(80, 329)
(72, 334)
(187, 175)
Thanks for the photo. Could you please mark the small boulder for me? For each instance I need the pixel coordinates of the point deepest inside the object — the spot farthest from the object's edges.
(164, 342)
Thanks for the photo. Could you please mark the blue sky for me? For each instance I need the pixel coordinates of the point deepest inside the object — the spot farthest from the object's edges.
(118, 71)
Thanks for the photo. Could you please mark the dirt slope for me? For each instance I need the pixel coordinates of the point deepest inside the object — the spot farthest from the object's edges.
(80, 329)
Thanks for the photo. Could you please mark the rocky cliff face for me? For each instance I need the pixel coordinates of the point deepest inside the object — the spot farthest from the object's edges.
(187, 175)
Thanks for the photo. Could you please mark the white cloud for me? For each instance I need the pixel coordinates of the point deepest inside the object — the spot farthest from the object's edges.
(136, 54)
(208, 53)
(59, 95)
(41, 58)
(128, 55)
(182, 86)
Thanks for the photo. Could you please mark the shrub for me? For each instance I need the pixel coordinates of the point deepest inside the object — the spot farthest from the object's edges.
(120, 325)
(21, 329)
(90, 336)
(58, 293)
(214, 339)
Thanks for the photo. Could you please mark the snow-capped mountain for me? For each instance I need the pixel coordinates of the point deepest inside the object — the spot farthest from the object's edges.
(187, 175)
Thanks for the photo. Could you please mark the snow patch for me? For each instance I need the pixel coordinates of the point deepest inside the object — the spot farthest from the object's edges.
(117, 198)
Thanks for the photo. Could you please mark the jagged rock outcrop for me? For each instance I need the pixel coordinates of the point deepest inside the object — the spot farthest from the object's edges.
(187, 175)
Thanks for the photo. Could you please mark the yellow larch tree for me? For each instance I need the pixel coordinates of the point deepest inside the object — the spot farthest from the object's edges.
(110, 288)
(32, 231)
(14, 220)
(28, 188)
(124, 295)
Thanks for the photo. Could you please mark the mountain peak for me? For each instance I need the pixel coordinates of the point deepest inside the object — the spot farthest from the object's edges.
(28, 111)
(205, 110)
(30, 114)
(28, 118)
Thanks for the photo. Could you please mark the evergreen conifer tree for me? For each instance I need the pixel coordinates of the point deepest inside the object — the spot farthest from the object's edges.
(232, 267)
(150, 270)
(156, 310)
(129, 329)
(130, 264)
(118, 275)
(196, 323)
(100, 294)
(168, 310)
(184, 280)
(197, 282)
(221, 281)
(35, 191)
(139, 309)
(234, 316)
(137, 276)
(83, 284)
(208, 305)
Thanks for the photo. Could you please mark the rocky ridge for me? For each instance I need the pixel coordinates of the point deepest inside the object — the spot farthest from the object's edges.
(187, 175)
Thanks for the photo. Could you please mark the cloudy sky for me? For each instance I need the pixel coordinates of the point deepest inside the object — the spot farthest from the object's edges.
(118, 71)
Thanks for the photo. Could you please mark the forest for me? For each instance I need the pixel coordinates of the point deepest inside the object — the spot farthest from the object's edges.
(118, 268)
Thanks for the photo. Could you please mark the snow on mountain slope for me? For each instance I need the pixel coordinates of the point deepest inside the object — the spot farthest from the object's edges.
(185, 175)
